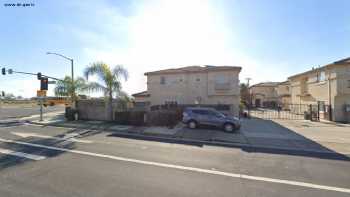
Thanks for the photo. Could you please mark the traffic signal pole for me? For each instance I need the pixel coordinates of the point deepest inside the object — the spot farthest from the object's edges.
(10, 71)
(43, 84)
(41, 109)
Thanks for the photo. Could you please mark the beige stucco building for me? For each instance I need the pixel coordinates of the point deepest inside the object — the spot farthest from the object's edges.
(284, 93)
(264, 94)
(203, 85)
(326, 85)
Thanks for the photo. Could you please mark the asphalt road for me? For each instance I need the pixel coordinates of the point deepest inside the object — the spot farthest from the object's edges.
(50, 161)
(20, 111)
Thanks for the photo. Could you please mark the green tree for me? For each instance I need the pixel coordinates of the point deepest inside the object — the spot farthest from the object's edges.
(65, 88)
(110, 81)
(122, 101)
(244, 91)
(9, 96)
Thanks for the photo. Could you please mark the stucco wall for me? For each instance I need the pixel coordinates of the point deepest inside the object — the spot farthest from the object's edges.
(194, 88)
(319, 90)
(283, 89)
(94, 109)
(264, 93)
(339, 113)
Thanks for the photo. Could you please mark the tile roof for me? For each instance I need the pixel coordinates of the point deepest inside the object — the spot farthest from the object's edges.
(342, 61)
(143, 94)
(194, 69)
(265, 84)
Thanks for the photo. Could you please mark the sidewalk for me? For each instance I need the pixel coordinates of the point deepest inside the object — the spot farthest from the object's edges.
(258, 133)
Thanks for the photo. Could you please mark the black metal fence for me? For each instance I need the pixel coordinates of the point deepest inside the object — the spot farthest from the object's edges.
(290, 111)
(220, 107)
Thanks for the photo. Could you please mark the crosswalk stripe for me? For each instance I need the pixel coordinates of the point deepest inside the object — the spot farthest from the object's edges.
(21, 154)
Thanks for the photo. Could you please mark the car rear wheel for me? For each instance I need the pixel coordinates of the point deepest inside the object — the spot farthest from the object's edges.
(228, 127)
(192, 124)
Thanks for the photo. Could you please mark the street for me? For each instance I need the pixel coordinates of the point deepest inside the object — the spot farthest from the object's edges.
(175, 98)
(52, 161)
(15, 111)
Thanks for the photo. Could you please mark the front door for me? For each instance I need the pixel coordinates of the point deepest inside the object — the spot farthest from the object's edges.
(257, 102)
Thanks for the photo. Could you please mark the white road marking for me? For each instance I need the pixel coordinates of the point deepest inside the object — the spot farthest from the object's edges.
(45, 114)
(119, 127)
(69, 137)
(193, 169)
(20, 154)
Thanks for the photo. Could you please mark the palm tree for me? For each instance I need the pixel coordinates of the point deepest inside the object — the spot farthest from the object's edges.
(65, 88)
(110, 78)
(123, 99)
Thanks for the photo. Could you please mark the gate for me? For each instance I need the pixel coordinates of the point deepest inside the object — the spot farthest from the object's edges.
(286, 111)
(313, 112)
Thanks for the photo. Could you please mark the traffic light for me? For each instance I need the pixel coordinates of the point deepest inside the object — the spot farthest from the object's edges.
(3, 71)
(44, 83)
(39, 75)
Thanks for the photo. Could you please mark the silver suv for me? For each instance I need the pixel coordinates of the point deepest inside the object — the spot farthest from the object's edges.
(195, 116)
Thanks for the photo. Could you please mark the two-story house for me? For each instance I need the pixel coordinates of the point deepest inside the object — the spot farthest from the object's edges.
(264, 94)
(328, 85)
(283, 93)
(202, 85)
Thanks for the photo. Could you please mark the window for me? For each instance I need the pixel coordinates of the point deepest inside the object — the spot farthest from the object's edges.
(322, 106)
(162, 80)
(222, 83)
(220, 80)
(201, 112)
(348, 83)
(321, 76)
(198, 79)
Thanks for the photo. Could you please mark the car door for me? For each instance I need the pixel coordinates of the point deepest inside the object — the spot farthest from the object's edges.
(214, 119)
(201, 116)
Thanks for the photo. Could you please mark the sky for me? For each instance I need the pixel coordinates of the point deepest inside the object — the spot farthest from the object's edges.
(269, 39)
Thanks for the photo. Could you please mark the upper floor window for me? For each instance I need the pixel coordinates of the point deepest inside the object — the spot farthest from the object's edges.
(222, 83)
(162, 80)
(198, 79)
(221, 80)
(321, 76)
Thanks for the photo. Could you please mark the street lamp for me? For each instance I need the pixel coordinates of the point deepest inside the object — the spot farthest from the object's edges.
(72, 67)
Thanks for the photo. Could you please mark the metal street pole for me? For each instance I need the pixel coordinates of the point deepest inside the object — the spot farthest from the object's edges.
(41, 109)
(249, 95)
(73, 85)
(72, 72)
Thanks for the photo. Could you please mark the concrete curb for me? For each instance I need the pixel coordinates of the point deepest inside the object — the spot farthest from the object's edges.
(246, 147)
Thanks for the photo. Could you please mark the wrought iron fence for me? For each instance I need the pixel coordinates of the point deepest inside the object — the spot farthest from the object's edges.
(292, 111)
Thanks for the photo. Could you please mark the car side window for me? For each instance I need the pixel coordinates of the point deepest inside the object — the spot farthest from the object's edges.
(211, 113)
(200, 112)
